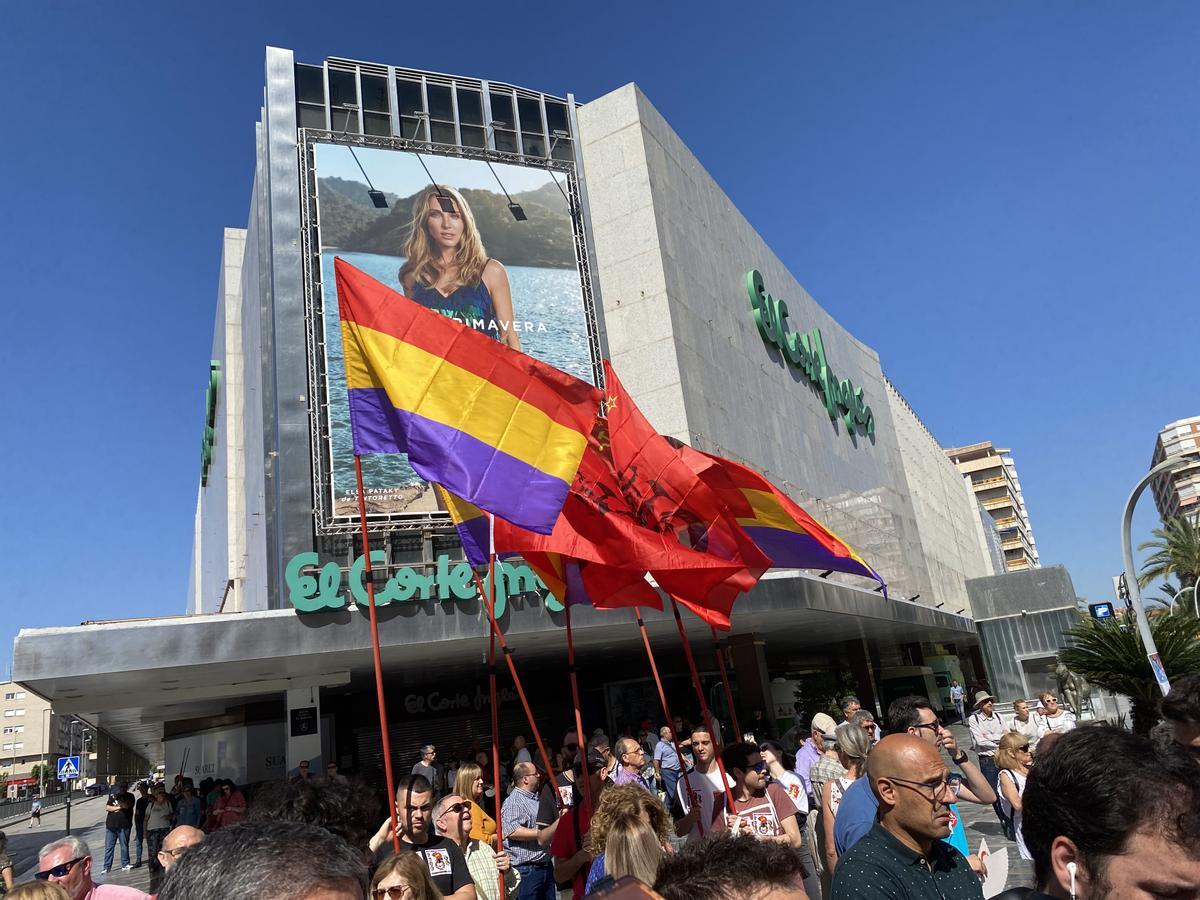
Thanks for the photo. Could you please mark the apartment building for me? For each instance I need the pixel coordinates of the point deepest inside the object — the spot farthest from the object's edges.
(993, 478)
(30, 732)
(1178, 491)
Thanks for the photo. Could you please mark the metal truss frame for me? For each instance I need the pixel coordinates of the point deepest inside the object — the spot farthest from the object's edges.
(326, 524)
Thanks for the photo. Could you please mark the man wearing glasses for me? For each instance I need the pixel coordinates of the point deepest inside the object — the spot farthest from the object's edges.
(452, 817)
(525, 838)
(178, 842)
(68, 863)
(414, 814)
(631, 759)
(905, 854)
(914, 716)
(762, 808)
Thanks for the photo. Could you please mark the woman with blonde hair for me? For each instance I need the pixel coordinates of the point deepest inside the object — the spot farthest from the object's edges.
(404, 876)
(38, 890)
(853, 745)
(632, 847)
(618, 802)
(446, 268)
(1013, 759)
(468, 784)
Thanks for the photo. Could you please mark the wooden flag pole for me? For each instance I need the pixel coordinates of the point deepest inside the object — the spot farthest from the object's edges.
(581, 749)
(704, 711)
(383, 722)
(662, 697)
(495, 712)
(737, 729)
(512, 670)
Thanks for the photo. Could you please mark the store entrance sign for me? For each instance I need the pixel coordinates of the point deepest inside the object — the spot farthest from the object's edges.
(312, 586)
(806, 352)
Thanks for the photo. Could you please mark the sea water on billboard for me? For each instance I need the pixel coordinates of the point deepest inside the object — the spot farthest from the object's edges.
(537, 255)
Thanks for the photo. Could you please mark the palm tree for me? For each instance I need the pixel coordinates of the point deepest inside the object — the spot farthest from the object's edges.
(1176, 549)
(1111, 655)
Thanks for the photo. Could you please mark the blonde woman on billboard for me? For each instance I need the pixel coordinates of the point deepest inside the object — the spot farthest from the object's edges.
(446, 268)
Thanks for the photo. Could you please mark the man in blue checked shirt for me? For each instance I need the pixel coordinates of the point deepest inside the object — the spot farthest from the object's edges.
(666, 762)
(525, 838)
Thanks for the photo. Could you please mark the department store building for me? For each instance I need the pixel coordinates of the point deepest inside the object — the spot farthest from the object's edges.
(269, 659)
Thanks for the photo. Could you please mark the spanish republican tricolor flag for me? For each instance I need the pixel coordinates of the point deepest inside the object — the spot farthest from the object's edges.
(493, 425)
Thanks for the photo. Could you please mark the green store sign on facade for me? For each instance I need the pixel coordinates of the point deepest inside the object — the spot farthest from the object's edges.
(806, 352)
(313, 587)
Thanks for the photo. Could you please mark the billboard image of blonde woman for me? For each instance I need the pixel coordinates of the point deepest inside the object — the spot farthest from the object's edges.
(448, 241)
(446, 267)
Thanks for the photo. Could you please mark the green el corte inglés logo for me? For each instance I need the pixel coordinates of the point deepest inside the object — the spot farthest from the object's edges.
(806, 352)
(313, 587)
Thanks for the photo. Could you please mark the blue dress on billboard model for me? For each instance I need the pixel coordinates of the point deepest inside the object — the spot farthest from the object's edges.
(470, 304)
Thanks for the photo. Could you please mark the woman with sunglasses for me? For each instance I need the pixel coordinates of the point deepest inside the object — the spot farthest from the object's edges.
(1014, 758)
(403, 876)
(1052, 717)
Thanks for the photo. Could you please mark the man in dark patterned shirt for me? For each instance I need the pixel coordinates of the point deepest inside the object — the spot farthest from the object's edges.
(903, 857)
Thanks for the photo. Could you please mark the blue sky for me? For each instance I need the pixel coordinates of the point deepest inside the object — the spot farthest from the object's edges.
(1001, 199)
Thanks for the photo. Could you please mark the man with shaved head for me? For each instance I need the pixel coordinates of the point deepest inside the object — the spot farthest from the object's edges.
(178, 842)
(904, 856)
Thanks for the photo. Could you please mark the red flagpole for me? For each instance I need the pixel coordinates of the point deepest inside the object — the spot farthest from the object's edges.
(495, 715)
(708, 717)
(579, 735)
(662, 697)
(737, 729)
(512, 670)
(383, 722)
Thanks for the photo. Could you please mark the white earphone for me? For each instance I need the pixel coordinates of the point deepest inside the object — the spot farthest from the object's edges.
(1071, 867)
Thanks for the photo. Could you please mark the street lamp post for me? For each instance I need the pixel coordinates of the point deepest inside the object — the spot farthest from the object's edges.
(45, 750)
(1195, 599)
(1135, 593)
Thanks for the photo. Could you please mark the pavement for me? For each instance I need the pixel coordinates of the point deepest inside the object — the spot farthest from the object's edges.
(87, 822)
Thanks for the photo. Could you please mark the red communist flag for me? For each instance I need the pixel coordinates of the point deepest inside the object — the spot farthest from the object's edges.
(667, 495)
(612, 548)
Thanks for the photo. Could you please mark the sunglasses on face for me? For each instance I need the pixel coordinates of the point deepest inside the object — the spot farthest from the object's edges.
(392, 893)
(759, 767)
(457, 808)
(1024, 748)
(935, 727)
(58, 871)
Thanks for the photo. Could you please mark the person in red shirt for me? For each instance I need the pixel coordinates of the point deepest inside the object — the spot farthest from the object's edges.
(762, 808)
(572, 844)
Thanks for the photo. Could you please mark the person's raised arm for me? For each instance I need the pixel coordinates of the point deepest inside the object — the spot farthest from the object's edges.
(975, 788)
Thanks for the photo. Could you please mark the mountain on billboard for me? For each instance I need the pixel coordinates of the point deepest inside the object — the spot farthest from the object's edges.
(544, 241)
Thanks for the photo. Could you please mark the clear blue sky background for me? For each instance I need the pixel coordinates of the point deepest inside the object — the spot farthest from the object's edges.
(1000, 198)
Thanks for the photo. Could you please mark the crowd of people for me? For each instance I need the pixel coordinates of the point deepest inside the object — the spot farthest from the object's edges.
(853, 814)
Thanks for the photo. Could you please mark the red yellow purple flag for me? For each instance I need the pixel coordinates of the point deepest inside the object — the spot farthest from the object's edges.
(494, 426)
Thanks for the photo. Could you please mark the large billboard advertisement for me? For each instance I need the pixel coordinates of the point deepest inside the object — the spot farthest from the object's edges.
(449, 239)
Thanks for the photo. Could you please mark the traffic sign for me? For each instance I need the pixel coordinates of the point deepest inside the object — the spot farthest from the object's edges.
(68, 767)
(1101, 610)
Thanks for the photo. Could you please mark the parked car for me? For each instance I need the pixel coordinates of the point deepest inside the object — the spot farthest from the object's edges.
(94, 790)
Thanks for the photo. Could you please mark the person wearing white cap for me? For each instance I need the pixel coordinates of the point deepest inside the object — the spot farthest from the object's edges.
(810, 751)
(986, 730)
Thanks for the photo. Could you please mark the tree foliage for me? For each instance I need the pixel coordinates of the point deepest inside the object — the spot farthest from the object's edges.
(1176, 553)
(1115, 659)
